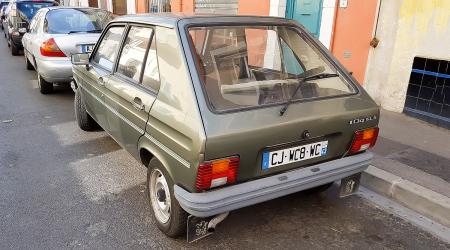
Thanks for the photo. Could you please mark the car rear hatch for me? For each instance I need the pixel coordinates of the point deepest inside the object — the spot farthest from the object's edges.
(76, 43)
(249, 134)
(27, 9)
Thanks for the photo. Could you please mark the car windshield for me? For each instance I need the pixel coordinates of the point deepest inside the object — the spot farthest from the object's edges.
(251, 66)
(65, 21)
(27, 10)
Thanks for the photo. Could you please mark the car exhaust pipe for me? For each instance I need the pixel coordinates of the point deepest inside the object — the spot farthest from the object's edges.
(215, 221)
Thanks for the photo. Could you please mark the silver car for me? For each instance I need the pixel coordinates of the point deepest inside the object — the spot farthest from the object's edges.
(54, 34)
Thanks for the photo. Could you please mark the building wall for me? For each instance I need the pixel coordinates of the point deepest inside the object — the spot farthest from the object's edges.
(131, 6)
(406, 28)
(254, 7)
(327, 22)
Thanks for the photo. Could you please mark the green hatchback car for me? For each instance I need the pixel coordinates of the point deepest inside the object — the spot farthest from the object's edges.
(225, 111)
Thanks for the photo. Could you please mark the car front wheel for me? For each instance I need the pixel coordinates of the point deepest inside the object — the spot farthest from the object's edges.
(167, 212)
(84, 120)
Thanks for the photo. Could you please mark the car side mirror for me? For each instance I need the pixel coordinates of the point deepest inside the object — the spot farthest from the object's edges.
(80, 59)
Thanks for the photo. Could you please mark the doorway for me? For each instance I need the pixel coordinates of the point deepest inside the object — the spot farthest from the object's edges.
(353, 31)
(120, 7)
(306, 12)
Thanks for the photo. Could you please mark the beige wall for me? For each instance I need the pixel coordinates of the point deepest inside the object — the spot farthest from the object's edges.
(406, 28)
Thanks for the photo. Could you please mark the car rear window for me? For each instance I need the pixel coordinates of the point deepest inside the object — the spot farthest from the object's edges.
(29, 9)
(253, 66)
(65, 21)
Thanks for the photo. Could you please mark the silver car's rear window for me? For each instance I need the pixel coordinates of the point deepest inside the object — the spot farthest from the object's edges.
(252, 66)
(66, 21)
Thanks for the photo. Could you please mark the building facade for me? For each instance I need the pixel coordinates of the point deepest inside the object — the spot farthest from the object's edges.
(399, 50)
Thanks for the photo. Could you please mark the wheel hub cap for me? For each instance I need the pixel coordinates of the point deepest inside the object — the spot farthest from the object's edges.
(159, 196)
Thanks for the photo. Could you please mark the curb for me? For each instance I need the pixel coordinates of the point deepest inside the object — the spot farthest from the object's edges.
(422, 200)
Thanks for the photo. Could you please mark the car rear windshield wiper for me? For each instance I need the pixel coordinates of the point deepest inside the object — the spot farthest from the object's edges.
(301, 81)
(84, 31)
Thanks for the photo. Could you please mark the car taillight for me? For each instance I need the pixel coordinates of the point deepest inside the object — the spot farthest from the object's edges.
(217, 173)
(363, 140)
(51, 49)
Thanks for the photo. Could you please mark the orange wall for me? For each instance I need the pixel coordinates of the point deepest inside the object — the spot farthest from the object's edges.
(141, 6)
(186, 6)
(353, 31)
(254, 7)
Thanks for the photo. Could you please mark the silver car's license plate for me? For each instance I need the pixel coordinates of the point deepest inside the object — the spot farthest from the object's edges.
(87, 48)
(294, 154)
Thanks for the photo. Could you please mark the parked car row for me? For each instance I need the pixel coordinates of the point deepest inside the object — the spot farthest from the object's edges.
(225, 112)
(49, 35)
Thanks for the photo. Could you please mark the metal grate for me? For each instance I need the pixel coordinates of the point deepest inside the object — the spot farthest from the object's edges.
(157, 6)
(229, 7)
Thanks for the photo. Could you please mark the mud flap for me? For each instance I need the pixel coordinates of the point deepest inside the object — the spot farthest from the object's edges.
(350, 185)
(197, 228)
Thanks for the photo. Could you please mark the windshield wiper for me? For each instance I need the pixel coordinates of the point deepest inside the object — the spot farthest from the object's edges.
(301, 81)
(84, 31)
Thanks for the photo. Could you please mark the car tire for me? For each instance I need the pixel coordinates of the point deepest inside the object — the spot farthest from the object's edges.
(14, 50)
(84, 120)
(175, 224)
(44, 86)
(29, 66)
(318, 189)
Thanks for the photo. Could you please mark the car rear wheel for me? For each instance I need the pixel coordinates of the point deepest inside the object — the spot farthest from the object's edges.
(84, 120)
(14, 49)
(29, 66)
(169, 216)
(44, 86)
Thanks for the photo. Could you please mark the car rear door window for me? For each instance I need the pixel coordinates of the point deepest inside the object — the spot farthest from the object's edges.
(108, 49)
(150, 78)
(133, 53)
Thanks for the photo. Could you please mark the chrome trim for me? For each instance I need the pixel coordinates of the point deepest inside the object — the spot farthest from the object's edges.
(141, 131)
(168, 150)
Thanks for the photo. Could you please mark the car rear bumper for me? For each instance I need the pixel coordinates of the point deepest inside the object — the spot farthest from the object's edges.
(17, 41)
(257, 191)
(56, 71)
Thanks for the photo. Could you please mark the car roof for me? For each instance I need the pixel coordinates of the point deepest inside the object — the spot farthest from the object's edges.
(171, 19)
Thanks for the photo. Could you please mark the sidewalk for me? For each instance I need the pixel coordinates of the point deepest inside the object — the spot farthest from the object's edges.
(412, 165)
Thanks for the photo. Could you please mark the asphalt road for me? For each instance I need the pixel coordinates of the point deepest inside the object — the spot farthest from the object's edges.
(62, 188)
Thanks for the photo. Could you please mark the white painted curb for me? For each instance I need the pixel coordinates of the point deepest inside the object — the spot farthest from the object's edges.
(420, 199)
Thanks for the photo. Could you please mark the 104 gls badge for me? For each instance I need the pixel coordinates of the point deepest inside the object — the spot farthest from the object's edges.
(362, 120)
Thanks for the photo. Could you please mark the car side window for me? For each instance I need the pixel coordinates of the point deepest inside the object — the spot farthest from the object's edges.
(108, 49)
(150, 77)
(133, 52)
(291, 62)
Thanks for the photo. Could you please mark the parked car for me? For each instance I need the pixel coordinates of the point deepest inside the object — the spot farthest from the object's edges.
(55, 33)
(19, 15)
(225, 112)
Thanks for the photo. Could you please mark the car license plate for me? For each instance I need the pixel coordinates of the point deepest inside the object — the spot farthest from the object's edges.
(197, 228)
(350, 185)
(87, 48)
(294, 154)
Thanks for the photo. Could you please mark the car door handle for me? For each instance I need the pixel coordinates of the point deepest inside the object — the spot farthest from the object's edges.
(101, 81)
(137, 104)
